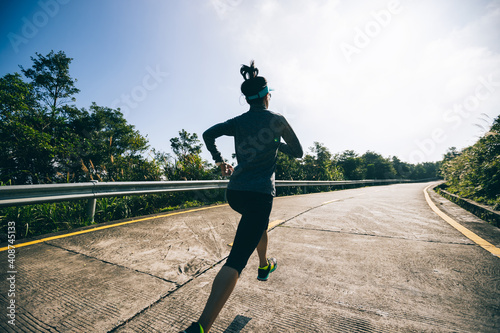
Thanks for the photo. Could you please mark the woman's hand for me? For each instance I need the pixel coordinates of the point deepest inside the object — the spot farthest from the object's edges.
(226, 169)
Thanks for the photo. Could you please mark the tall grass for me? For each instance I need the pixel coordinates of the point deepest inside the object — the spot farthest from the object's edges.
(40, 219)
(34, 220)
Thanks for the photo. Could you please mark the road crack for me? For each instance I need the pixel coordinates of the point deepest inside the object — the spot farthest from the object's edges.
(375, 235)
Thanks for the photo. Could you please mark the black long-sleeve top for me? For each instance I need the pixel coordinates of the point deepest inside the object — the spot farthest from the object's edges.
(257, 139)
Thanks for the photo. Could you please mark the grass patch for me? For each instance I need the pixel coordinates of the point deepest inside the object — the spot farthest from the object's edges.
(40, 219)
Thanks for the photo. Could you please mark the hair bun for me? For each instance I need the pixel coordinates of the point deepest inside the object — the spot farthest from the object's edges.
(249, 72)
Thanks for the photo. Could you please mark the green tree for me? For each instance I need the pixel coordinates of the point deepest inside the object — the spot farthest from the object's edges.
(44, 140)
(36, 140)
(288, 168)
(109, 148)
(351, 165)
(188, 164)
(401, 168)
(320, 165)
(50, 79)
(186, 144)
(475, 171)
(377, 167)
(451, 154)
(26, 147)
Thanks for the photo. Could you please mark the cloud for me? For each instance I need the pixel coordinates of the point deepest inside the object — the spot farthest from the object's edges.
(415, 66)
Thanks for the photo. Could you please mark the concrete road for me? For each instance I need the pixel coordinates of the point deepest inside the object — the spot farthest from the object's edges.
(373, 259)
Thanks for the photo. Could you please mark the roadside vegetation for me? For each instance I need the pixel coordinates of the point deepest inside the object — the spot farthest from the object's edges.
(474, 172)
(45, 138)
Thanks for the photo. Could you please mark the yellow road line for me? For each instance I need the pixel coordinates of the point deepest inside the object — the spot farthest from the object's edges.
(271, 225)
(356, 195)
(469, 234)
(327, 202)
(274, 224)
(107, 227)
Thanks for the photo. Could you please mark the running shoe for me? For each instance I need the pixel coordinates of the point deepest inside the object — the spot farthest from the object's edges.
(263, 273)
(194, 328)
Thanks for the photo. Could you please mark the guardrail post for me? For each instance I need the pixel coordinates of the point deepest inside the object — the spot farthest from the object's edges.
(91, 204)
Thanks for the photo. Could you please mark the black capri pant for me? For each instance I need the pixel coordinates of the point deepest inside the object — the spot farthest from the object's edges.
(255, 209)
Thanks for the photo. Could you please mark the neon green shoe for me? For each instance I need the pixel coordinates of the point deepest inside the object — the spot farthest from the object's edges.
(194, 328)
(264, 272)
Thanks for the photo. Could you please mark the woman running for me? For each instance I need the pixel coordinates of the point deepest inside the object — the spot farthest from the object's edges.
(257, 137)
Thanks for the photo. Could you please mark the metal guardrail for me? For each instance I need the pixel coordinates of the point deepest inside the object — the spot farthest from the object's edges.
(337, 182)
(481, 211)
(19, 195)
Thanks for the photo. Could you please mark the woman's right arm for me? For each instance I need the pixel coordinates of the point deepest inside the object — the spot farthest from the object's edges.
(213, 133)
(292, 146)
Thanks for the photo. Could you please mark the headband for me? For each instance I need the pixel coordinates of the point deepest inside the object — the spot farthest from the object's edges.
(260, 94)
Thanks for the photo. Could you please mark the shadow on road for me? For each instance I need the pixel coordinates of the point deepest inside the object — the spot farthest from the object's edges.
(238, 324)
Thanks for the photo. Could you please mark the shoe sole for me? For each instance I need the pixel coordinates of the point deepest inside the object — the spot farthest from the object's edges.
(267, 277)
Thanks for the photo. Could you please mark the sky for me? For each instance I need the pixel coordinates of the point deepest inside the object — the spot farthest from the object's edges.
(408, 78)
